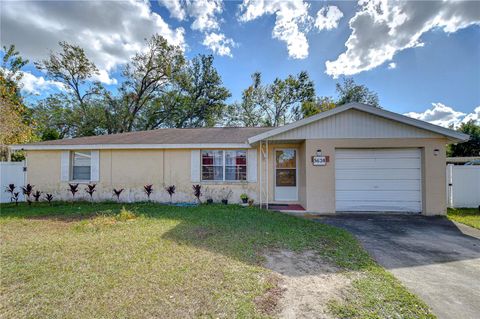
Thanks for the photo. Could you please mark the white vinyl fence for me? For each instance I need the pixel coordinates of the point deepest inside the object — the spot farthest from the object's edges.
(11, 173)
(463, 185)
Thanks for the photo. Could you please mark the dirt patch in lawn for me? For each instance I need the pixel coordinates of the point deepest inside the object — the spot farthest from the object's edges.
(305, 284)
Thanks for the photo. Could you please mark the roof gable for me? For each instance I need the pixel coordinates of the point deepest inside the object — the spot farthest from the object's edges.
(355, 120)
(354, 124)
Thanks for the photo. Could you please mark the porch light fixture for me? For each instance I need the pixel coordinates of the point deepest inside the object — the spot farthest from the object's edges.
(436, 151)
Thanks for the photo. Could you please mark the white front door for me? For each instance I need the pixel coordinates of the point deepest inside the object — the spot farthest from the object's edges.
(286, 184)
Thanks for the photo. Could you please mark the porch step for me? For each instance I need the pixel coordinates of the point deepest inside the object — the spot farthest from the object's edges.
(286, 207)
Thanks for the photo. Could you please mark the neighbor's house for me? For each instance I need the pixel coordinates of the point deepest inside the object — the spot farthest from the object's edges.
(352, 158)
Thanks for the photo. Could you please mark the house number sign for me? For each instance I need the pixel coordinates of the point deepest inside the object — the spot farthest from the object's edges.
(319, 160)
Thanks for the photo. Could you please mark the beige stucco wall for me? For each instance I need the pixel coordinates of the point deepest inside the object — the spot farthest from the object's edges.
(131, 170)
(320, 180)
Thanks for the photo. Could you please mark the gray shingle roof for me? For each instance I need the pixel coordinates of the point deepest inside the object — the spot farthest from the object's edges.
(214, 135)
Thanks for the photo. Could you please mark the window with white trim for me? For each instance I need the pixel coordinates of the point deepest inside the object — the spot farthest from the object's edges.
(220, 165)
(81, 165)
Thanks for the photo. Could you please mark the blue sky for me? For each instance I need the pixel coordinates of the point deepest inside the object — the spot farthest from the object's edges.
(413, 55)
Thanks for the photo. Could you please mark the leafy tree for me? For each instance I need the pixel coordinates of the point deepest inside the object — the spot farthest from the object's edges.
(12, 64)
(146, 76)
(285, 97)
(73, 69)
(15, 118)
(194, 98)
(55, 119)
(349, 91)
(276, 104)
(247, 113)
(321, 104)
(74, 112)
(472, 146)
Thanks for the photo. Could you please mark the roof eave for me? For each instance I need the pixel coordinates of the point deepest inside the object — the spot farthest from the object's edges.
(51, 147)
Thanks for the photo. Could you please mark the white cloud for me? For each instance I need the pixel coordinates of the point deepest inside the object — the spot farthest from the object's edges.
(392, 65)
(175, 7)
(36, 84)
(475, 116)
(219, 44)
(443, 115)
(205, 16)
(381, 28)
(109, 31)
(291, 24)
(328, 18)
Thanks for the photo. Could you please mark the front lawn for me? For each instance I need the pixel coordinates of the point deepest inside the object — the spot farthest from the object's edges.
(85, 260)
(467, 216)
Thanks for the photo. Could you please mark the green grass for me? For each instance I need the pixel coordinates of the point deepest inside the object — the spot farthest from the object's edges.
(467, 216)
(87, 260)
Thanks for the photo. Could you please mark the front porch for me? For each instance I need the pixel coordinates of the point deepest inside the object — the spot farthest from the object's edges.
(282, 175)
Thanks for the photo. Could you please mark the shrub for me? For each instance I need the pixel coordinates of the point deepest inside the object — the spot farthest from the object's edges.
(73, 188)
(90, 190)
(148, 189)
(27, 190)
(117, 192)
(49, 198)
(15, 197)
(36, 195)
(197, 192)
(170, 190)
(10, 189)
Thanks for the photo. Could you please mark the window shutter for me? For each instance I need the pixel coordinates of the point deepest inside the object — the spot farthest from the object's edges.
(195, 166)
(252, 165)
(65, 166)
(95, 166)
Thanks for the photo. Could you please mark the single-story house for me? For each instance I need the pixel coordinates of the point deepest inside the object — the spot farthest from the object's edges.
(352, 158)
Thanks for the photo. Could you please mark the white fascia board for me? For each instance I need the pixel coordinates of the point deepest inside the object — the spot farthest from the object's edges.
(33, 147)
(451, 134)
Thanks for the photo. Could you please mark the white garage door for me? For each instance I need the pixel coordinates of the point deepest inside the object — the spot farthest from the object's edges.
(385, 180)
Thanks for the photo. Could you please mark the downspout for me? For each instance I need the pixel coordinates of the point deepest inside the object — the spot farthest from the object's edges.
(260, 184)
(267, 174)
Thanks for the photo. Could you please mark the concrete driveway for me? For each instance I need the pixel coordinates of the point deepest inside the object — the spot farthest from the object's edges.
(434, 258)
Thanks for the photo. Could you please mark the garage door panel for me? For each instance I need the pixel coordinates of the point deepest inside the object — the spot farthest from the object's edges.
(378, 184)
(376, 163)
(371, 153)
(379, 195)
(361, 174)
(368, 206)
(378, 180)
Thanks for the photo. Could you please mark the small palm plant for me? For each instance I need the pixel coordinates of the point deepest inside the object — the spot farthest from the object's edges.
(36, 195)
(197, 192)
(27, 191)
(73, 188)
(148, 189)
(15, 197)
(170, 190)
(117, 193)
(49, 198)
(90, 190)
(10, 189)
